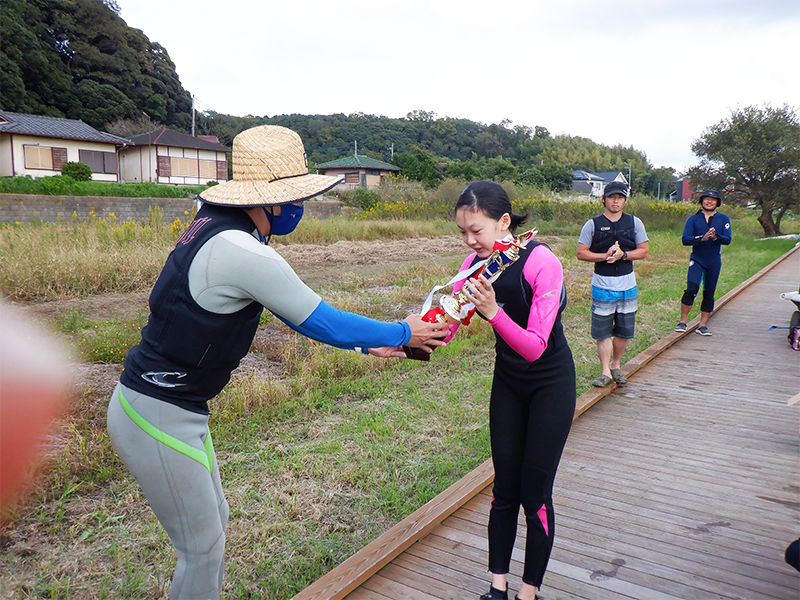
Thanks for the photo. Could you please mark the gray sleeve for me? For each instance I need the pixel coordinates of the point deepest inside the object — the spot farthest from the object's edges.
(587, 233)
(639, 231)
(232, 269)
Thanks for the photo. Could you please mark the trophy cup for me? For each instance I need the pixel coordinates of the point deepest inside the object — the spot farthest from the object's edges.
(458, 308)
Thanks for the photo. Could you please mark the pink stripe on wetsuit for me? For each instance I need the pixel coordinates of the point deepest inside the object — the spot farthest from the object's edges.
(544, 273)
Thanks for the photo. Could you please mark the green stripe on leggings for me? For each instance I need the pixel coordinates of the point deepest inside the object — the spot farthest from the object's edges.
(204, 458)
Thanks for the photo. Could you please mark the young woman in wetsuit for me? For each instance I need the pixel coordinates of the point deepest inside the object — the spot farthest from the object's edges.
(533, 389)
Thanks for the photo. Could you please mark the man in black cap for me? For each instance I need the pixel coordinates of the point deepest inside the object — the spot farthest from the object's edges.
(706, 232)
(612, 241)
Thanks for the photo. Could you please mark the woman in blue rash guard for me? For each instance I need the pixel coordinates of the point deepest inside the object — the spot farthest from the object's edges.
(204, 312)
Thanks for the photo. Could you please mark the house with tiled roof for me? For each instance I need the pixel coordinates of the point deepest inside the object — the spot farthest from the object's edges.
(39, 146)
(172, 157)
(593, 184)
(358, 171)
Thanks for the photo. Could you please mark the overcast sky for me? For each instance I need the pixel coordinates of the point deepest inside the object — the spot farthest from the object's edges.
(652, 74)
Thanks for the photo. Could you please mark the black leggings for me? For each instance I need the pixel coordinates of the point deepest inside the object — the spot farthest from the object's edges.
(709, 275)
(530, 415)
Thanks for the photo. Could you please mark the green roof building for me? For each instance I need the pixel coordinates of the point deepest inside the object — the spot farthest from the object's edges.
(358, 171)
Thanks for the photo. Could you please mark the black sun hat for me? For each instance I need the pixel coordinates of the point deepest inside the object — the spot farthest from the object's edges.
(711, 194)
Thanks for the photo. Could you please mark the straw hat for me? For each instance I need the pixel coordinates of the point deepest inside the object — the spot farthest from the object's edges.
(269, 167)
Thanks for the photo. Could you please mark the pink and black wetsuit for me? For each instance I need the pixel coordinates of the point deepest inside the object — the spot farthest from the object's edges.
(531, 407)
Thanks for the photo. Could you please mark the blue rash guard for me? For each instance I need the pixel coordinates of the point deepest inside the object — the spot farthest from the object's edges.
(706, 253)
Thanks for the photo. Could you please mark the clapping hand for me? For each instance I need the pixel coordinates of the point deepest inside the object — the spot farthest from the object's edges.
(711, 234)
(614, 253)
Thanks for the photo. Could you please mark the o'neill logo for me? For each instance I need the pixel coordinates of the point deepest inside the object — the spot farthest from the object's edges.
(159, 378)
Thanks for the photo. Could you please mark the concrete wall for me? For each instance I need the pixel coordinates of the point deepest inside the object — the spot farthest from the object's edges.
(22, 208)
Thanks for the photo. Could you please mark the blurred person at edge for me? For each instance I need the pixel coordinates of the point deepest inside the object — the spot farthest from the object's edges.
(204, 312)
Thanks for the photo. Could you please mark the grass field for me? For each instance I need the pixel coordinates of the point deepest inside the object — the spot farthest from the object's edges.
(321, 450)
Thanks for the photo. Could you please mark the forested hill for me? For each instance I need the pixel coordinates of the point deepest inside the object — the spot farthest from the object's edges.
(79, 59)
(465, 149)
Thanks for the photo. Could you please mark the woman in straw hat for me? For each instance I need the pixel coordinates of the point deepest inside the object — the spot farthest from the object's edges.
(204, 312)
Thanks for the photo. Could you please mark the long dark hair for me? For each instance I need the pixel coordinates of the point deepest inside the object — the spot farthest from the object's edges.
(491, 199)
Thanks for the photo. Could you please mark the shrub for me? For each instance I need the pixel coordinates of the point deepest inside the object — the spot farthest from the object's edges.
(77, 170)
(362, 198)
(57, 185)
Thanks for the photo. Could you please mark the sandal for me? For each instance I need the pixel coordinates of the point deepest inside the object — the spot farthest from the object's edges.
(616, 375)
(602, 381)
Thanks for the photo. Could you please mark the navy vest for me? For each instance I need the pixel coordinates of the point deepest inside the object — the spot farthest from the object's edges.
(606, 232)
(514, 295)
(187, 353)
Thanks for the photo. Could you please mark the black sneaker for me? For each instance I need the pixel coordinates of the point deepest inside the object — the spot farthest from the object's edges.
(495, 594)
(703, 330)
(680, 327)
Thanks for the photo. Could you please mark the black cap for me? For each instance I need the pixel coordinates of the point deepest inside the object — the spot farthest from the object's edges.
(710, 194)
(615, 187)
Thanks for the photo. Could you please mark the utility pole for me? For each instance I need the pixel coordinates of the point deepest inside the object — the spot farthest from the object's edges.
(193, 115)
(355, 151)
(391, 150)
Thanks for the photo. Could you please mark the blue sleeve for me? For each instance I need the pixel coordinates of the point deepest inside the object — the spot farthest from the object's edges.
(689, 238)
(347, 330)
(726, 234)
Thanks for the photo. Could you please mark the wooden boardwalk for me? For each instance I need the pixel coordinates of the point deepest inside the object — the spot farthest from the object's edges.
(682, 484)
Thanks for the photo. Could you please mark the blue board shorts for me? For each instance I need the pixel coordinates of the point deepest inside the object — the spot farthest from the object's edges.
(614, 313)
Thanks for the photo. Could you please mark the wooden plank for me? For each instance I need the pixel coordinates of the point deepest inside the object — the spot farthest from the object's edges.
(447, 569)
(393, 589)
(338, 582)
(365, 594)
(649, 551)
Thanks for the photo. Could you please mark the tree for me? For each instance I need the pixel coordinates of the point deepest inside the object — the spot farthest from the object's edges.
(558, 177)
(660, 182)
(425, 116)
(101, 104)
(532, 176)
(498, 169)
(754, 155)
(420, 165)
(78, 59)
(465, 170)
(541, 132)
(127, 128)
